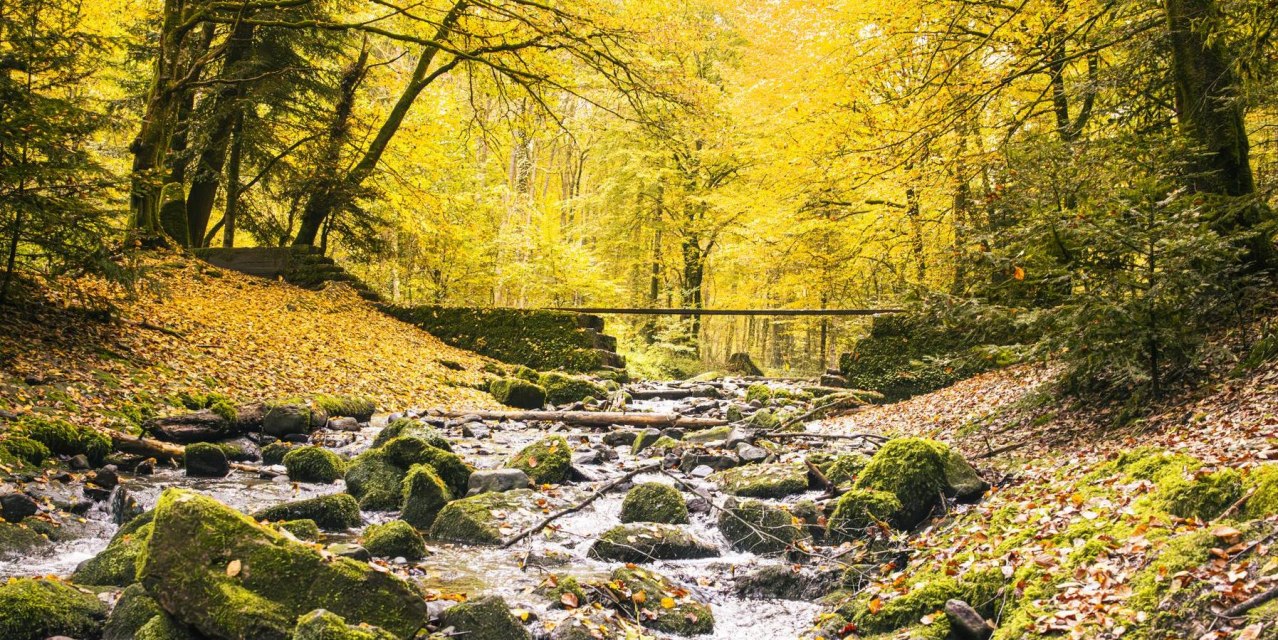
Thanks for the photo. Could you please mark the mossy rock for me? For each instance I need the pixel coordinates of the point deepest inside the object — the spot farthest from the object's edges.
(333, 512)
(217, 570)
(205, 460)
(1203, 496)
(313, 464)
(1153, 463)
(487, 618)
(18, 539)
(35, 609)
(650, 592)
(274, 452)
(755, 527)
(714, 434)
(63, 438)
(913, 470)
(413, 428)
(424, 495)
(775, 480)
(287, 417)
(644, 439)
(521, 394)
(132, 611)
(764, 420)
(858, 510)
(395, 539)
(844, 470)
(362, 409)
(474, 520)
(163, 627)
(525, 373)
(26, 449)
(926, 594)
(117, 564)
(547, 461)
(560, 586)
(375, 481)
(326, 625)
(1262, 481)
(758, 391)
(565, 389)
(961, 479)
(406, 451)
(649, 541)
(654, 502)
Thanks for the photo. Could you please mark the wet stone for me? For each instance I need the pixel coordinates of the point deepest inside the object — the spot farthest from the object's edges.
(16, 506)
(619, 438)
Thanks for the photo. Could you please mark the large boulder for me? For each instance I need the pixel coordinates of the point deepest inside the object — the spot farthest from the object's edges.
(424, 495)
(221, 572)
(134, 609)
(547, 461)
(204, 460)
(375, 481)
(313, 464)
(326, 625)
(764, 480)
(518, 393)
(35, 609)
(860, 510)
(845, 469)
(280, 419)
(487, 618)
(486, 518)
(117, 564)
(912, 469)
(662, 604)
(649, 541)
(333, 512)
(755, 527)
(413, 428)
(395, 539)
(565, 389)
(654, 502)
(498, 480)
(406, 451)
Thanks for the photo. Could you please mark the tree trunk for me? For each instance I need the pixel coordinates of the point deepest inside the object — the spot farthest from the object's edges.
(233, 185)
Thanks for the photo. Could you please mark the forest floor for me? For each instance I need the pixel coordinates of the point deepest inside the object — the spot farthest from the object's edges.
(199, 329)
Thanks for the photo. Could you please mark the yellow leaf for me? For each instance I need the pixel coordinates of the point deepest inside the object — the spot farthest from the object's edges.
(667, 603)
(1018, 273)
(233, 568)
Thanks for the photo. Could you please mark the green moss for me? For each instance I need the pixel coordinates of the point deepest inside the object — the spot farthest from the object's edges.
(163, 627)
(649, 541)
(912, 470)
(471, 520)
(760, 392)
(1151, 463)
(654, 502)
(927, 594)
(361, 409)
(313, 464)
(133, 610)
(64, 438)
(708, 435)
(375, 481)
(484, 619)
(765, 419)
(1262, 481)
(858, 510)
(395, 539)
(333, 512)
(18, 539)
(525, 373)
(755, 527)
(24, 448)
(565, 389)
(424, 495)
(274, 452)
(686, 618)
(1203, 496)
(406, 451)
(518, 393)
(1181, 553)
(560, 585)
(303, 529)
(961, 479)
(34, 609)
(843, 470)
(229, 577)
(414, 428)
(547, 461)
(325, 625)
(117, 564)
(764, 480)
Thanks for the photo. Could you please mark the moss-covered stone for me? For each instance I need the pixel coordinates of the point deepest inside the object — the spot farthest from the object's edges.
(1152, 463)
(702, 436)
(474, 520)
(274, 452)
(755, 527)
(289, 416)
(35, 609)
(25, 449)
(313, 464)
(163, 627)
(514, 392)
(1262, 482)
(133, 610)
(649, 541)
(765, 420)
(565, 389)
(547, 461)
(361, 409)
(926, 594)
(302, 529)
(764, 480)
(557, 587)
(117, 564)
(413, 428)
(424, 494)
(63, 438)
(395, 539)
(406, 451)
(859, 510)
(229, 577)
(1203, 496)
(326, 625)
(649, 593)
(844, 469)
(758, 391)
(913, 470)
(18, 539)
(654, 502)
(961, 479)
(333, 512)
(487, 618)
(205, 460)
(375, 481)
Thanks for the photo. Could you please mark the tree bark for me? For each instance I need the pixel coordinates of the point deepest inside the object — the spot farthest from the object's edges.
(233, 185)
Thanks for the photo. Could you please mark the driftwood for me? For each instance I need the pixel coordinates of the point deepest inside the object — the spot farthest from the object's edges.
(148, 447)
(596, 419)
(579, 506)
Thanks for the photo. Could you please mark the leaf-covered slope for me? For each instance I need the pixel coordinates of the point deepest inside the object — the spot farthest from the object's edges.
(200, 329)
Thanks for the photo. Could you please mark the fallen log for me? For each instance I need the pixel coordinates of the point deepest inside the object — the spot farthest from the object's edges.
(673, 394)
(579, 506)
(596, 419)
(206, 425)
(148, 447)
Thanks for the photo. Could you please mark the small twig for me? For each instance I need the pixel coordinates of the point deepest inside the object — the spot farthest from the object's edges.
(784, 435)
(165, 330)
(831, 489)
(1250, 603)
(579, 506)
(1004, 449)
(1234, 507)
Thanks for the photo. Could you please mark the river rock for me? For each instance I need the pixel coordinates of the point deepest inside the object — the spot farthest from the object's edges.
(775, 480)
(313, 464)
(487, 618)
(406, 451)
(132, 611)
(693, 459)
(619, 438)
(687, 616)
(116, 565)
(648, 541)
(326, 625)
(395, 539)
(496, 480)
(517, 393)
(750, 454)
(782, 581)
(280, 420)
(487, 518)
(107, 477)
(35, 609)
(654, 502)
(204, 460)
(860, 510)
(333, 512)
(412, 428)
(755, 527)
(546, 461)
(912, 469)
(424, 495)
(644, 439)
(965, 622)
(229, 577)
(344, 423)
(16, 506)
(348, 550)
